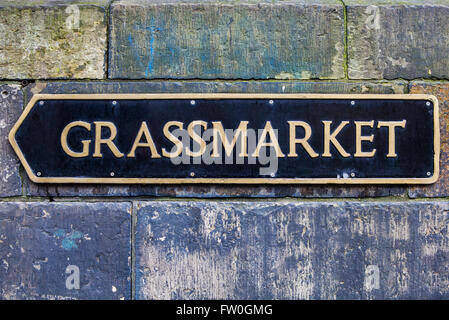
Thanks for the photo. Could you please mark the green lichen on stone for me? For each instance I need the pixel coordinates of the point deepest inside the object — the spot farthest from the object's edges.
(52, 42)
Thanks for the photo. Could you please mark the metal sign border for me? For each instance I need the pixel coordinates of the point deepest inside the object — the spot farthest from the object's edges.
(152, 96)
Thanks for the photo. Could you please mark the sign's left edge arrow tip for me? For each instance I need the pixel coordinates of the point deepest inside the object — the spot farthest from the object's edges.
(13, 141)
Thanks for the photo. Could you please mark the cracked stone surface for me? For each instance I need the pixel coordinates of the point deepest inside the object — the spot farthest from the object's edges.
(292, 250)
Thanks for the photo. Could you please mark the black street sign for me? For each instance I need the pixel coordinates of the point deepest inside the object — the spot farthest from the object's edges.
(229, 138)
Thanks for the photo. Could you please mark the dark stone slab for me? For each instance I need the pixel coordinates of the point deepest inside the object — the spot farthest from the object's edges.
(11, 106)
(44, 245)
(292, 250)
(392, 39)
(441, 91)
(176, 39)
(239, 86)
(215, 191)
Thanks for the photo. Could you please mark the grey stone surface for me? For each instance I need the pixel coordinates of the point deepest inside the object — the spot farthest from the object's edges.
(237, 86)
(215, 191)
(11, 106)
(42, 244)
(391, 40)
(292, 250)
(53, 39)
(441, 91)
(227, 40)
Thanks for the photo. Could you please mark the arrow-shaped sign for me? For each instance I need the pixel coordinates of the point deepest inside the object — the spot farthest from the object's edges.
(228, 138)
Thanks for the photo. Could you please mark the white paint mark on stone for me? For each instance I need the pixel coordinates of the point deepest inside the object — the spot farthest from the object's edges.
(372, 278)
(55, 297)
(6, 264)
(155, 215)
(284, 76)
(307, 74)
(337, 61)
(5, 173)
(400, 62)
(430, 249)
(73, 20)
(399, 227)
(38, 87)
(220, 279)
(398, 278)
(372, 21)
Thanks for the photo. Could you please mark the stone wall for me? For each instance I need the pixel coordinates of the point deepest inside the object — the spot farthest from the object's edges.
(222, 241)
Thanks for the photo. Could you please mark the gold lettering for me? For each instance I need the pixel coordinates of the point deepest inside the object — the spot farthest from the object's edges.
(303, 141)
(108, 141)
(149, 142)
(328, 138)
(391, 135)
(173, 139)
(241, 131)
(85, 143)
(274, 141)
(195, 137)
(359, 138)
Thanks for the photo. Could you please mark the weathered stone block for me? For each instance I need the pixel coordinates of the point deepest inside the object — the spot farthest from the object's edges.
(390, 40)
(292, 250)
(176, 39)
(441, 91)
(214, 191)
(11, 106)
(48, 249)
(53, 39)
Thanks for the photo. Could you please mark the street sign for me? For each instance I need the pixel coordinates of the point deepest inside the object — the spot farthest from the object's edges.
(229, 138)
